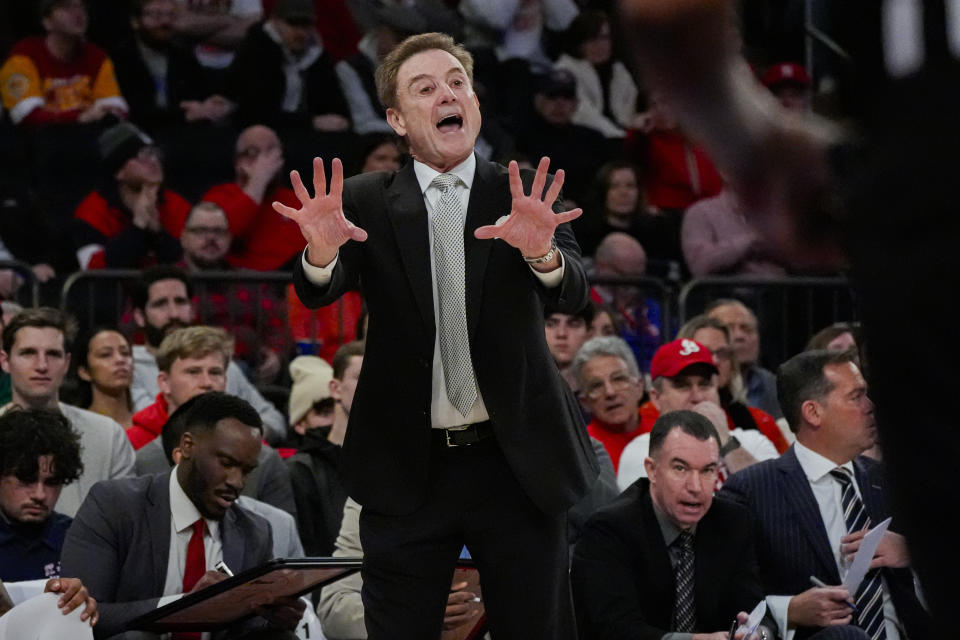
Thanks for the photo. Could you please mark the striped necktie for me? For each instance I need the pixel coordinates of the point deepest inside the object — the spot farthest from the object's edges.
(684, 609)
(869, 599)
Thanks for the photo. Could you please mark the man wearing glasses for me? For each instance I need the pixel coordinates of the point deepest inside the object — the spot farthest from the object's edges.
(611, 390)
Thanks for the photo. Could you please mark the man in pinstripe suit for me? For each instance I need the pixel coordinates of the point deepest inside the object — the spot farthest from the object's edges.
(813, 503)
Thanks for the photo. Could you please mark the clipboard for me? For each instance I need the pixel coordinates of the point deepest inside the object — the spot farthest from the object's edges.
(232, 600)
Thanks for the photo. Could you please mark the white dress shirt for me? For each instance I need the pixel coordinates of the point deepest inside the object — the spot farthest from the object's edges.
(827, 491)
(442, 413)
(183, 513)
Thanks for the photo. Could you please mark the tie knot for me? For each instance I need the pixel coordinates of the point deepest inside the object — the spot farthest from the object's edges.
(200, 527)
(445, 181)
(841, 475)
(684, 541)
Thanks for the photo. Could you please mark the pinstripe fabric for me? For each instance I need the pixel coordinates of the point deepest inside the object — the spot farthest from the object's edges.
(869, 599)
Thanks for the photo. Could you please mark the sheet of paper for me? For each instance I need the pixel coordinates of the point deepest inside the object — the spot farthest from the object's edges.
(861, 561)
(756, 616)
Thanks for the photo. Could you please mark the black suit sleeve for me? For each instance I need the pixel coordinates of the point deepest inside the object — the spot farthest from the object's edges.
(92, 552)
(604, 586)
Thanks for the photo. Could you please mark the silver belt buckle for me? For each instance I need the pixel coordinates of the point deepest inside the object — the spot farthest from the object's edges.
(446, 434)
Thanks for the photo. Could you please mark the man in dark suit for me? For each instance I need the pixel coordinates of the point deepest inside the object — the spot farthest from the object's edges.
(628, 567)
(461, 429)
(814, 502)
(124, 548)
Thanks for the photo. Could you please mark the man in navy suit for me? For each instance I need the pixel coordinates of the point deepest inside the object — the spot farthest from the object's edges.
(814, 502)
(461, 430)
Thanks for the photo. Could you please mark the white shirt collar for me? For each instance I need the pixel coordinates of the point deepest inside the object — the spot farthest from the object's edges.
(465, 171)
(814, 465)
(182, 509)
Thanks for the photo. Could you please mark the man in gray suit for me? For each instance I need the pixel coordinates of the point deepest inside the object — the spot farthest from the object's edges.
(140, 543)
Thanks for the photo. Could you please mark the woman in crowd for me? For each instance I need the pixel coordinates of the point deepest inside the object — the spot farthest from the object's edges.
(105, 370)
(606, 93)
(616, 204)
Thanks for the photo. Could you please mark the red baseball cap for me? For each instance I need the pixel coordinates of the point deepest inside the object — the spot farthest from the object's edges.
(786, 73)
(672, 358)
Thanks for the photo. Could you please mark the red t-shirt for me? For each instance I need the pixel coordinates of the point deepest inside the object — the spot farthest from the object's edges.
(148, 423)
(615, 441)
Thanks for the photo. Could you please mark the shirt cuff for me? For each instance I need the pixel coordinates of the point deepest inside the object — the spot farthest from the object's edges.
(165, 600)
(549, 279)
(777, 606)
(675, 635)
(319, 276)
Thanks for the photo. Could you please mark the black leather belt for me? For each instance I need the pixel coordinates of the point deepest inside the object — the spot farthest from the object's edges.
(465, 435)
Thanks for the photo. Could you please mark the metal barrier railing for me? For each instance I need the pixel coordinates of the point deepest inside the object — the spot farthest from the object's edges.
(789, 309)
(27, 293)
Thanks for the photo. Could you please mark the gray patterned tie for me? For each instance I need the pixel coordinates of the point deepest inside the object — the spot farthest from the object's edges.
(869, 598)
(684, 609)
(448, 219)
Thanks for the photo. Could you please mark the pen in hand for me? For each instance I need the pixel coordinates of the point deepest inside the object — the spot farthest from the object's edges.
(817, 582)
(222, 567)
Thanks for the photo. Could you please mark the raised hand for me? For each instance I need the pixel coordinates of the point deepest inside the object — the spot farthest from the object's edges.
(532, 221)
(320, 217)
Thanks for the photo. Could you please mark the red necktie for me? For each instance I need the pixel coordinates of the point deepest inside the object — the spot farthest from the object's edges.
(195, 568)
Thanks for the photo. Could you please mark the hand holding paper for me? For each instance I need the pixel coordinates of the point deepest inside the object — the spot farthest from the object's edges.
(891, 552)
(863, 559)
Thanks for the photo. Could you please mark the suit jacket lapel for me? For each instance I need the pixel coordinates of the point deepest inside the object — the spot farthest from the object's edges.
(158, 513)
(232, 540)
(408, 214)
(797, 487)
(489, 197)
(659, 559)
(871, 491)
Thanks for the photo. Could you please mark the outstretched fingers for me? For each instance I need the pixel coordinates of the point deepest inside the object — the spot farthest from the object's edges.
(567, 216)
(516, 186)
(540, 179)
(336, 179)
(319, 178)
(285, 211)
(554, 191)
(298, 188)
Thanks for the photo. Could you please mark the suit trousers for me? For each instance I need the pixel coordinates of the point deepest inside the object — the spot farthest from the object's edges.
(473, 499)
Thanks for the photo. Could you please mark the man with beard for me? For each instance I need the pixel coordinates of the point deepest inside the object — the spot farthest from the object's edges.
(251, 312)
(162, 81)
(162, 301)
(142, 542)
(263, 239)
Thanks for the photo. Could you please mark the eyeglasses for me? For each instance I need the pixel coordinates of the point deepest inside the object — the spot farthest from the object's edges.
(596, 389)
(214, 231)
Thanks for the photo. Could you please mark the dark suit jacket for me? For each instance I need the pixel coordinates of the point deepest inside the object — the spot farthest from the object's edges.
(792, 542)
(119, 545)
(535, 417)
(624, 586)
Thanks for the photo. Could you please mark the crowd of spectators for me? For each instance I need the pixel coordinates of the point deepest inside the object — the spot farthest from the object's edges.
(154, 135)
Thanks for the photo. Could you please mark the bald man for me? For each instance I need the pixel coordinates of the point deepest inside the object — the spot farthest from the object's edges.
(265, 241)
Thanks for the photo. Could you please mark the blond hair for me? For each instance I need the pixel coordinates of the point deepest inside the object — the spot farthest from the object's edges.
(194, 343)
(386, 74)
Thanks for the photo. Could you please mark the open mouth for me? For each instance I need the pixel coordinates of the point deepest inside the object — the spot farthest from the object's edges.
(225, 499)
(448, 124)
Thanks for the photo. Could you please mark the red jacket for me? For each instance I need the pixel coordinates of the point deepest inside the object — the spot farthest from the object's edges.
(148, 422)
(264, 240)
